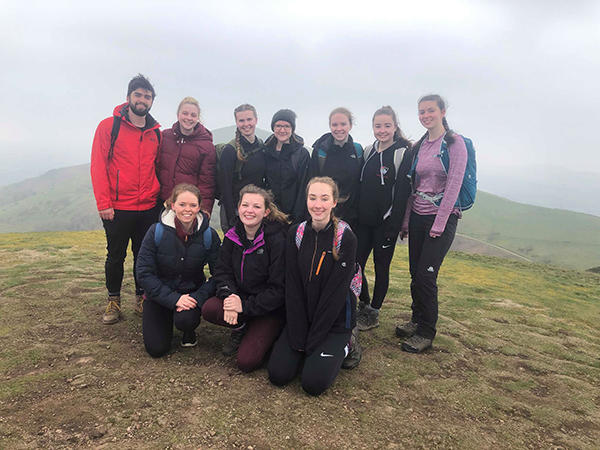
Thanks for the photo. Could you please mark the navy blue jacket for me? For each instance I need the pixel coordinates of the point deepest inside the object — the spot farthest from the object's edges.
(173, 268)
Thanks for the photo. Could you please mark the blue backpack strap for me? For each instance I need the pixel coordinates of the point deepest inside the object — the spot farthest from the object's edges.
(207, 238)
(158, 232)
(358, 149)
(300, 233)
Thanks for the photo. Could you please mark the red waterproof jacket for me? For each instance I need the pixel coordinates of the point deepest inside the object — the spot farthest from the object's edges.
(128, 181)
(188, 159)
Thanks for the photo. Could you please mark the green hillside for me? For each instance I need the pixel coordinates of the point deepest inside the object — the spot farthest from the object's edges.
(514, 365)
(545, 235)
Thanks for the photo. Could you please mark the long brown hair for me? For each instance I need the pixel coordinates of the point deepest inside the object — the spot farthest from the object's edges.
(335, 193)
(238, 146)
(276, 215)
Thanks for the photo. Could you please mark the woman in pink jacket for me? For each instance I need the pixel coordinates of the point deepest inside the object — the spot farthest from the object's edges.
(187, 155)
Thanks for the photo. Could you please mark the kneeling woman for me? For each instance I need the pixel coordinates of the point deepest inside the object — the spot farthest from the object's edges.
(250, 277)
(320, 305)
(170, 268)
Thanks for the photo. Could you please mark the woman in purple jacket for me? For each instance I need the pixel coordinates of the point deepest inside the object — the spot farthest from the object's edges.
(187, 155)
(430, 219)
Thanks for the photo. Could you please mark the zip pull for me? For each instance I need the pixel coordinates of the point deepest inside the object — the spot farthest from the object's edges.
(320, 262)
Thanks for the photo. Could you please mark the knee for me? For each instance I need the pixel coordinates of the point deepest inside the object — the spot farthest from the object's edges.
(279, 374)
(158, 350)
(186, 320)
(211, 309)
(248, 363)
(314, 385)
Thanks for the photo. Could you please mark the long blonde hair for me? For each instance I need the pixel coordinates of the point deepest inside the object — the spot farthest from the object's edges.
(276, 215)
(335, 193)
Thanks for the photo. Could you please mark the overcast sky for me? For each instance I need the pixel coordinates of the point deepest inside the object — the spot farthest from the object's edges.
(521, 78)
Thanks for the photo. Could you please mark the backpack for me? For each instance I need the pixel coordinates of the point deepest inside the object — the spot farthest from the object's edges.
(398, 155)
(160, 228)
(468, 189)
(114, 133)
(238, 164)
(356, 283)
(358, 151)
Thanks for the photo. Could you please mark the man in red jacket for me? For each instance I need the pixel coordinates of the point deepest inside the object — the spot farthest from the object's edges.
(125, 185)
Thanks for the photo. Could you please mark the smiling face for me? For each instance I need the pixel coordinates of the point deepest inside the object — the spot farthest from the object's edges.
(384, 128)
(339, 124)
(246, 123)
(140, 101)
(188, 116)
(283, 131)
(252, 210)
(186, 207)
(320, 203)
(430, 115)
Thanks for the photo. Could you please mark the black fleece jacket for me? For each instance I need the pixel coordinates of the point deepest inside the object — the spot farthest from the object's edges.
(318, 298)
(252, 172)
(383, 192)
(173, 267)
(343, 165)
(253, 270)
(287, 175)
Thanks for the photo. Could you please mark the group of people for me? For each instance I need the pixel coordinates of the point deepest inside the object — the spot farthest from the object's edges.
(298, 227)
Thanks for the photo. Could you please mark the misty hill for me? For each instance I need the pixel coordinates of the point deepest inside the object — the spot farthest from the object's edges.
(225, 134)
(62, 199)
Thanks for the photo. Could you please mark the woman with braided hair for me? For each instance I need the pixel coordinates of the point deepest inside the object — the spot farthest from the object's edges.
(319, 299)
(242, 162)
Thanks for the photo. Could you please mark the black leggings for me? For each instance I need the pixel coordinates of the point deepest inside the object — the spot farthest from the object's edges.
(426, 255)
(320, 368)
(371, 238)
(157, 326)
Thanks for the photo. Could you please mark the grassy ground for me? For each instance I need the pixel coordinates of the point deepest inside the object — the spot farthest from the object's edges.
(515, 364)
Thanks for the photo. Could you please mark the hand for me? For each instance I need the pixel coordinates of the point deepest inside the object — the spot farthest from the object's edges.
(185, 303)
(107, 214)
(403, 234)
(233, 303)
(231, 317)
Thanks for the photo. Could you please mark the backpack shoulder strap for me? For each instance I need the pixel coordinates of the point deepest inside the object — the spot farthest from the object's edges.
(398, 155)
(358, 149)
(300, 233)
(158, 135)
(207, 238)
(158, 232)
(339, 232)
(368, 150)
(114, 133)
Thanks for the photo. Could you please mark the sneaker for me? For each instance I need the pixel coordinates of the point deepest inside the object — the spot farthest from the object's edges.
(189, 339)
(355, 353)
(139, 304)
(407, 329)
(112, 313)
(230, 347)
(368, 319)
(416, 344)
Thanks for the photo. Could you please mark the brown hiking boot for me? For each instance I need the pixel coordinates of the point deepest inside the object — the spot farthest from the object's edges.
(139, 304)
(407, 329)
(112, 314)
(416, 344)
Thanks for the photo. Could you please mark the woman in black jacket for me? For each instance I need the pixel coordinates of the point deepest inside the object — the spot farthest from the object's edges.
(250, 279)
(242, 162)
(320, 305)
(383, 192)
(336, 155)
(287, 165)
(170, 268)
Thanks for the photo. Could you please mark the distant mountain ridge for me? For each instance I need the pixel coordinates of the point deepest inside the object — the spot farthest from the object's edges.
(62, 199)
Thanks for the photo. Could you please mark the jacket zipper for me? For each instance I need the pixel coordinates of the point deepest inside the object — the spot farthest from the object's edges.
(117, 186)
(313, 257)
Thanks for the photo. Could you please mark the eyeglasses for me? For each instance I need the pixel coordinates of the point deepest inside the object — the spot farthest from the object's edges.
(283, 127)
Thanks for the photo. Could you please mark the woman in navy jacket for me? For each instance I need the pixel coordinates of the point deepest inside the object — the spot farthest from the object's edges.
(250, 279)
(171, 270)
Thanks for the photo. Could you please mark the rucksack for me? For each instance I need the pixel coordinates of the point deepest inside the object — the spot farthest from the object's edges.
(468, 188)
(358, 151)
(160, 228)
(238, 164)
(114, 133)
(398, 155)
(356, 283)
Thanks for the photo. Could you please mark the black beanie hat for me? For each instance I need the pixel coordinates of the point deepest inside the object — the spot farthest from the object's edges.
(287, 115)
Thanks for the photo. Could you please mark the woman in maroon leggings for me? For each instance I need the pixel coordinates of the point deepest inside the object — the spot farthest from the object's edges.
(250, 275)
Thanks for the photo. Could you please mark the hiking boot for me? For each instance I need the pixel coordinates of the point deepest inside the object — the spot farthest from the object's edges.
(139, 304)
(189, 339)
(355, 352)
(112, 313)
(407, 329)
(361, 308)
(368, 319)
(416, 344)
(230, 347)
